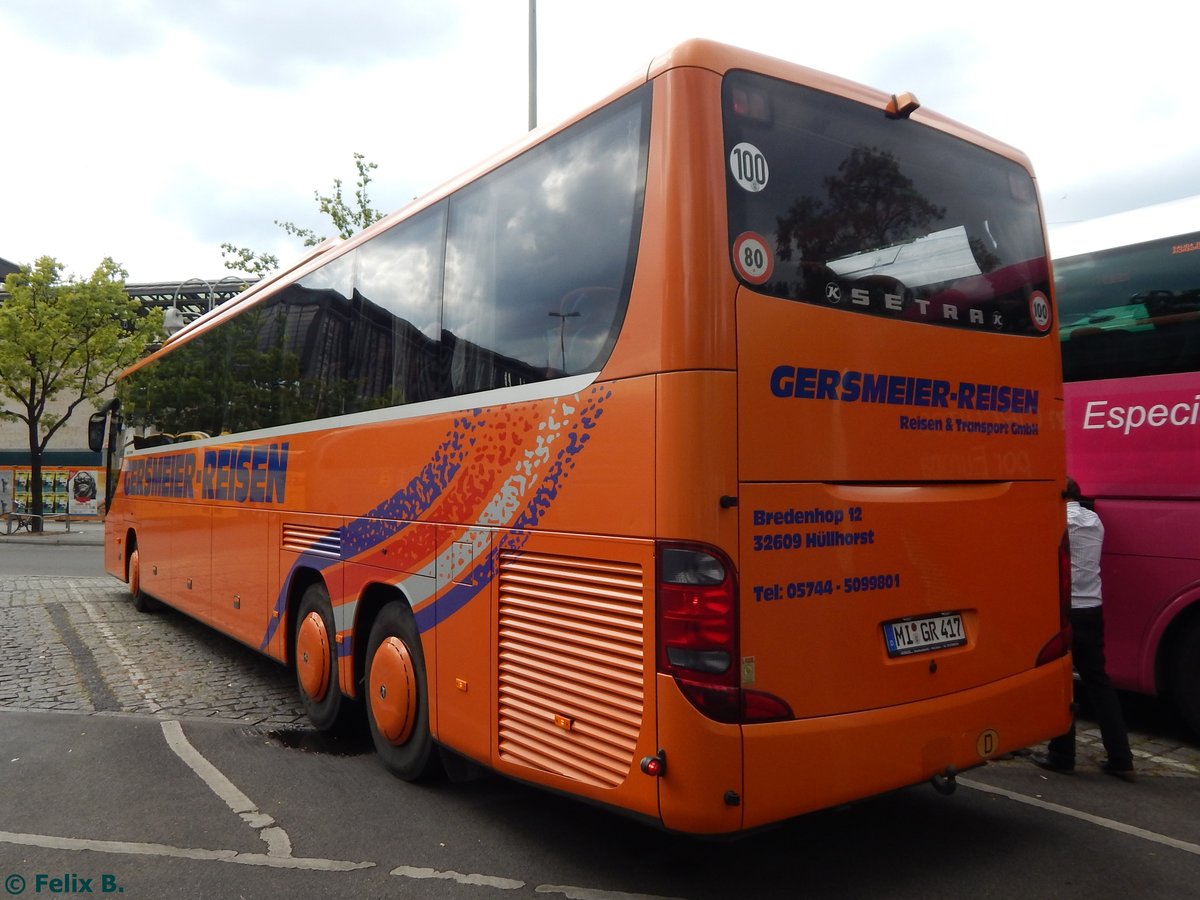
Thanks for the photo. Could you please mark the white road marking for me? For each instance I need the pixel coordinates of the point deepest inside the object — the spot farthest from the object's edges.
(137, 848)
(504, 884)
(508, 884)
(1111, 824)
(278, 843)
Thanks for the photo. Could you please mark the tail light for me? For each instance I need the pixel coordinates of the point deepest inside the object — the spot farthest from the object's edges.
(1060, 645)
(698, 641)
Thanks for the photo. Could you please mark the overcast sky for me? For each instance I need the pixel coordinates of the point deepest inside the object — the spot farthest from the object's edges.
(152, 131)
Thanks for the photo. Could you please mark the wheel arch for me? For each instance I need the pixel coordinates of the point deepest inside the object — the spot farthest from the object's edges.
(1178, 617)
(127, 549)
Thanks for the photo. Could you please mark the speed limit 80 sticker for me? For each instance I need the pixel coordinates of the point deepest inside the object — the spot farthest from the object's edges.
(752, 257)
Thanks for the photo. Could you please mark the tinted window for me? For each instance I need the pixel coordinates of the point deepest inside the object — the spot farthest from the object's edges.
(1132, 310)
(399, 286)
(519, 277)
(833, 203)
(540, 256)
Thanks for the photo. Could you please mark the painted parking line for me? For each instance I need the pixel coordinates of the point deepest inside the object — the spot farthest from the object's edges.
(138, 848)
(279, 845)
(492, 881)
(1111, 824)
(571, 892)
(277, 840)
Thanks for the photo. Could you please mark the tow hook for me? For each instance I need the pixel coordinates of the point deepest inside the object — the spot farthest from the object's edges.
(944, 782)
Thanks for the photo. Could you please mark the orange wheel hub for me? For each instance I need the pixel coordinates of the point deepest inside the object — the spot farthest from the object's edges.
(393, 690)
(135, 574)
(312, 656)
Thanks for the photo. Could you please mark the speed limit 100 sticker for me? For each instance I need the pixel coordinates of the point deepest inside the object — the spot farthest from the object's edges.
(749, 167)
(1039, 310)
(752, 257)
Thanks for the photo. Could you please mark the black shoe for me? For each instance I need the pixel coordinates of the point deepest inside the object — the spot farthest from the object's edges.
(1124, 774)
(1042, 761)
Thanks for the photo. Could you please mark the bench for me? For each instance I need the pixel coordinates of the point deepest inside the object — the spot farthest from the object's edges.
(14, 522)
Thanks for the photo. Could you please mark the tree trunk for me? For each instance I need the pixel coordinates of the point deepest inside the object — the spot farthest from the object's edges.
(35, 480)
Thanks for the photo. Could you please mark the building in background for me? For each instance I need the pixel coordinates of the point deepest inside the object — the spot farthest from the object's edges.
(72, 483)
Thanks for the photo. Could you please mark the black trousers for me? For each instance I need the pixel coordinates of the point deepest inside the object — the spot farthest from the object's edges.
(1087, 650)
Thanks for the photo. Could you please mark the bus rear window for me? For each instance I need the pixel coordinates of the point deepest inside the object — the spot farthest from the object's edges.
(832, 203)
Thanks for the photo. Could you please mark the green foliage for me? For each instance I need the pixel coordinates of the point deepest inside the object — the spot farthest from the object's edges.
(347, 220)
(236, 378)
(65, 341)
(243, 259)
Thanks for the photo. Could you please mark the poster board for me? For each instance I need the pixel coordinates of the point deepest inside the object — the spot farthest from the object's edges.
(77, 492)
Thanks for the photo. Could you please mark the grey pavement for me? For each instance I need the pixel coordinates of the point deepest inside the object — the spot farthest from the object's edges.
(77, 644)
(82, 533)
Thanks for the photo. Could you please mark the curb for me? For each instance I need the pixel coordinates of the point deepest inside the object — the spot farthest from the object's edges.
(92, 536)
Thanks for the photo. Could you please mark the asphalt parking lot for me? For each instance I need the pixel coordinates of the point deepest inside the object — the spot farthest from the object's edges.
(143, 748)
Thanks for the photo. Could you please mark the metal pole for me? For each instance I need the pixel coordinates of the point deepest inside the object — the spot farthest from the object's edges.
(532, 64)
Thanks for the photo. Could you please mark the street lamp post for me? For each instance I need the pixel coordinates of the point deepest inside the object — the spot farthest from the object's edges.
(532, 64)
(562, 325)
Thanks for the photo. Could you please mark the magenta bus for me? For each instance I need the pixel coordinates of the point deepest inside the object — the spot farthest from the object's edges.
(1129, 297)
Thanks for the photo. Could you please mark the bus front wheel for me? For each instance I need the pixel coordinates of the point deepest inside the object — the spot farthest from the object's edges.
(316, 659)
(397, 695)
(141, 600)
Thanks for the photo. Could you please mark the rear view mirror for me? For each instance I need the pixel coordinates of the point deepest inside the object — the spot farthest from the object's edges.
(96, 431)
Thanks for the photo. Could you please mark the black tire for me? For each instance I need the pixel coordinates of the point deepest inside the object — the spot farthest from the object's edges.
(1185, 676)
(142, 601)
(321, 696)
(408, 752)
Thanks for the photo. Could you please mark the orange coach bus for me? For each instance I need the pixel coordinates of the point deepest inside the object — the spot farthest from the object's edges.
(701, 456)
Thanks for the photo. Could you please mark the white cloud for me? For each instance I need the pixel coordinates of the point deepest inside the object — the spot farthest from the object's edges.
(153, 130)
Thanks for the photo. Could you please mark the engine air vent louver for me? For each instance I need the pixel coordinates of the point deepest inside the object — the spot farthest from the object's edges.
(317, 540)
(571, 665)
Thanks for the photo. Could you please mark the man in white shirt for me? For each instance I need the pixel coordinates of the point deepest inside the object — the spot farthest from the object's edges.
(1086, 534)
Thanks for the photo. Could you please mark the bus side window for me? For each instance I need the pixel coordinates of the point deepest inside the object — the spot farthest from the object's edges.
(579, 337)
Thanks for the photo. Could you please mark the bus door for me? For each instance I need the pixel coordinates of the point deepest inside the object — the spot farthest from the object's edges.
(241, 603)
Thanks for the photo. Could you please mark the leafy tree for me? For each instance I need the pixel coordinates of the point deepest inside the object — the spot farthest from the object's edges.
(869, 203)
(65, 342)
(346, 219)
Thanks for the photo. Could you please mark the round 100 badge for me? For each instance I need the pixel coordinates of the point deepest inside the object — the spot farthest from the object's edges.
(749, 167)
(1039, 311)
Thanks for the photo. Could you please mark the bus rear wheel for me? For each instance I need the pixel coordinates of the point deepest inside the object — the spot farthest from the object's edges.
(316, 659)
(1185, 676)
(397, 695)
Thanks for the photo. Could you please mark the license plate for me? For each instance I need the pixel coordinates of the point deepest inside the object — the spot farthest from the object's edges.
(920, 634)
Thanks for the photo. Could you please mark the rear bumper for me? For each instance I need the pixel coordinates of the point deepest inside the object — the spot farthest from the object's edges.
(797, 767)
(785, 769)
